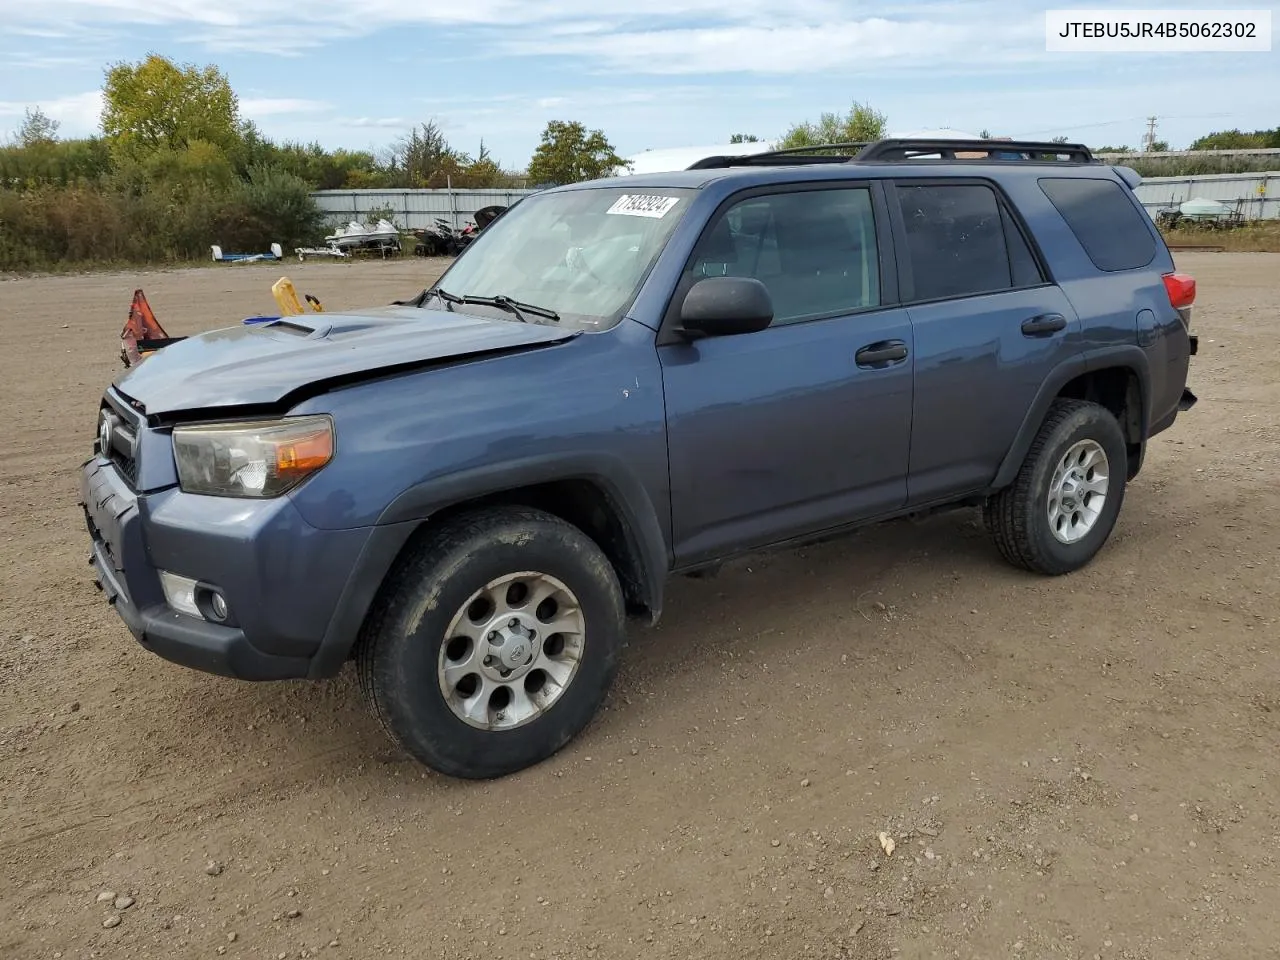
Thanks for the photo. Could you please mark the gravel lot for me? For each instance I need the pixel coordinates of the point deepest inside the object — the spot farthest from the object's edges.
(1082, 767)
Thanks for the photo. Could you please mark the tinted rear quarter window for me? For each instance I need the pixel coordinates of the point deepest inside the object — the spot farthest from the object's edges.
(961, 242)
(1111, 229)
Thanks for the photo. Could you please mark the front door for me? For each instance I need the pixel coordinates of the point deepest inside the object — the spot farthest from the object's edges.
(805, 425)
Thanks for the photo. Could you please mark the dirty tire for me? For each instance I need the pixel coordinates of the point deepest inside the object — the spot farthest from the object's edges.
(399, 650)
(1017, 517)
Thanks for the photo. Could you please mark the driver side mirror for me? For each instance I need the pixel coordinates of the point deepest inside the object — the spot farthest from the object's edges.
(724, 306)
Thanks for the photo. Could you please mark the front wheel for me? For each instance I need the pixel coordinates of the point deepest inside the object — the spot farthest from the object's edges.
(1063, 504)
(494, 643)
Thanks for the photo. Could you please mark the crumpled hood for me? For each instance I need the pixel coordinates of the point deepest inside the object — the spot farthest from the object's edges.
(252, 364)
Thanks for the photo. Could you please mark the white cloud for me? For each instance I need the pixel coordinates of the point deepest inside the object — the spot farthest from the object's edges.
(671, 37)
(38, 32)
(381, 123)
(254, 107)
(848, 46)
(78, 113)
(289, 27)
(35, 61)
(754, 65)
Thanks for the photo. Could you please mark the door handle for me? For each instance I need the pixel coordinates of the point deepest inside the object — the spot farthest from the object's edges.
(877, 354)
(1045, 323)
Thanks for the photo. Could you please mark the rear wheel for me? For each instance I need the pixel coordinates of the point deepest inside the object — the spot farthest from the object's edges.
(495, 643)
(1063, 504)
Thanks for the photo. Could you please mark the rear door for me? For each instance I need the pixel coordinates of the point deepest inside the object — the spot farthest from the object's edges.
(807, 424)
(988, 325)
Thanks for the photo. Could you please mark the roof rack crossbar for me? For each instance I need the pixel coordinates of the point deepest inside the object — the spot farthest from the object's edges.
(1038, 150)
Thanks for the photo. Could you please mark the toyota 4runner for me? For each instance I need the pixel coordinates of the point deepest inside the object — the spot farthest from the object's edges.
(469, 493)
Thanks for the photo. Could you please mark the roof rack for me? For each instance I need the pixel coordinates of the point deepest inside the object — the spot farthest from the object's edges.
(789, 155)
(798, 151)
(1027, 150)
(906, 150)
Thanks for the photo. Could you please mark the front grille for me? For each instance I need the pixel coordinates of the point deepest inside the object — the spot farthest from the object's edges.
(126, 464)
(117, 438)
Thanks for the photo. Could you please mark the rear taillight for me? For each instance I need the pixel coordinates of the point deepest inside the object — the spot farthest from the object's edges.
(1182, 289)
(1182, 294)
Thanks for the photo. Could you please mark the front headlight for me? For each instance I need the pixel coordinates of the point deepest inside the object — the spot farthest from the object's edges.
(251, 459)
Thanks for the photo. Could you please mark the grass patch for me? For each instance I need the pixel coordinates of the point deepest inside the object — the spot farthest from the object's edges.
(1262, 236)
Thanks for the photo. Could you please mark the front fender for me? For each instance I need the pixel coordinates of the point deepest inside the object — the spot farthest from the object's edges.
(626, 495)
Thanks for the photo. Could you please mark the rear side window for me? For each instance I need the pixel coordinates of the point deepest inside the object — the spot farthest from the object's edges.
(1112, 231)
(961, 242)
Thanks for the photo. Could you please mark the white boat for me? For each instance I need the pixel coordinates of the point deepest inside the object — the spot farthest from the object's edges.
(356, 234)
(1201, 209)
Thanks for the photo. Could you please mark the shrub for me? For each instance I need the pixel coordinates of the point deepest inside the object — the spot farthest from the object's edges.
(281, 205)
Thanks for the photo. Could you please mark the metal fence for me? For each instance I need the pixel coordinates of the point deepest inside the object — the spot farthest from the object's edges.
(1255, 195)
(411, 209)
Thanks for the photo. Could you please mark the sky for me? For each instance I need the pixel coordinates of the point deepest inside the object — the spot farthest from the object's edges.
(360, 74)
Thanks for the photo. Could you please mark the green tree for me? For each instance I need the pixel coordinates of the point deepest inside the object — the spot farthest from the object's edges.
(36, 128)
(569, 153)
(744, 138)
(281, 202)
(1234, 140)
(424, 158)
(156, 104)
(63, 162)
(480, 172)
(861, 124)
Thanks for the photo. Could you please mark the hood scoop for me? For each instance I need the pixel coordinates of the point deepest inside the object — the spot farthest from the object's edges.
(289, 328)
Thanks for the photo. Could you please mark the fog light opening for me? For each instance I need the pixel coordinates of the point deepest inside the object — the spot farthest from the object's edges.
(217, 606)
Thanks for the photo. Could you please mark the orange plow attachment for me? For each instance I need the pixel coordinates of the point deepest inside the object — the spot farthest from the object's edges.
(142, 334)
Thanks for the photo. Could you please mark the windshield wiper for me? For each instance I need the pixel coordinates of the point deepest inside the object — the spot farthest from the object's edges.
(421, 299)
(512, 306)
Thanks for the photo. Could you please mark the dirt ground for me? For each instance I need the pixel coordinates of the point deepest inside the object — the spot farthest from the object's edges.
(1082, 767)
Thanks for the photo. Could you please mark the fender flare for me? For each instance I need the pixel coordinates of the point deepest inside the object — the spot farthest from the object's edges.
(625, 493)
(1129, 356)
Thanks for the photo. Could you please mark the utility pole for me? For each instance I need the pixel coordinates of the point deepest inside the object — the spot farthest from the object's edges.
(1149, 140)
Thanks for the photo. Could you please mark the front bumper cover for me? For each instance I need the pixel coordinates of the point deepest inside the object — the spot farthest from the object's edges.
(124, 573)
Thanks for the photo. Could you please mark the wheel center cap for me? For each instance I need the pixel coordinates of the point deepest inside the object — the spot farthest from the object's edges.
(512, 644)
(1070, 489)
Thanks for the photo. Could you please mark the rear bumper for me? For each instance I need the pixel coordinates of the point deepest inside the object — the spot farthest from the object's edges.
(281, 577)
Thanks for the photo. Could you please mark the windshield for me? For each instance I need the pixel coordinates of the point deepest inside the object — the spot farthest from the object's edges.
(581, 254)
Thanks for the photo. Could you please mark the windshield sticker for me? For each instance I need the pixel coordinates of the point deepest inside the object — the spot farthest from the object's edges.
(630, 205)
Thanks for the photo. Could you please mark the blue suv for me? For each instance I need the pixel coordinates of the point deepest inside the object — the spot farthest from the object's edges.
(470, 492)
